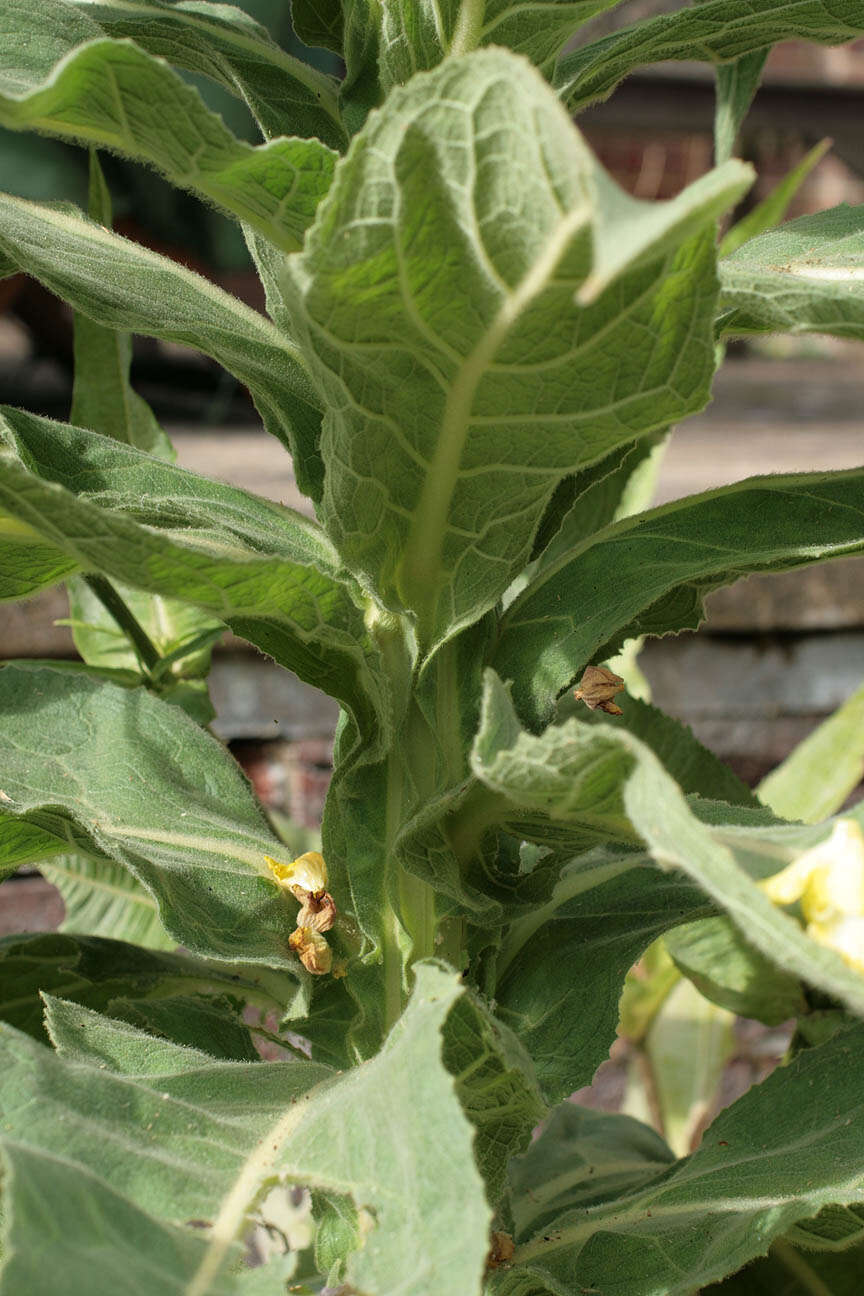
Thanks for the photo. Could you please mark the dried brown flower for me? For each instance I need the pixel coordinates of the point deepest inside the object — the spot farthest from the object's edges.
(598, 687)
(312, 949)
(501, 1250)
(318, 911)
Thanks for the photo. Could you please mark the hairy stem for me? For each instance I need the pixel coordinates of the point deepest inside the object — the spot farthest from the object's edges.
(469, 24)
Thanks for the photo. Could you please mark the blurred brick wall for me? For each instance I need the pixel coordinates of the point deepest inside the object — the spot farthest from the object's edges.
(655, 166)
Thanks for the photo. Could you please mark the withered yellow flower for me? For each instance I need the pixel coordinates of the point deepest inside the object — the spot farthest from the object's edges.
(308, 872)
(829, 882)
(318, 911)
(312, 949)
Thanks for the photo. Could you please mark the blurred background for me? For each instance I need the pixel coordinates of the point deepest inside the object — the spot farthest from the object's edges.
(776, 655)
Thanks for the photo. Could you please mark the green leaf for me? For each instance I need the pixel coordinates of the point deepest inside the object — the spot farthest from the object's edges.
(27, 564)
(336, 1230)
(719, 31)
(103, 899)
(104, 401)
(95, 972)
(319, 23)
(463, 377)
(578, 773)
(785, 1271)
(777, 1156)
(22, 843)
(587, 502)
(418, 34)
(238, 1127)
(176, 630)
(124, 286)
(736, 85)
(771, 210)
(648, 574)
(53, 1247)
(714, 955)
(582, 1157)
(496, 1086)
(835, 1228)
(112, 94)
(816, 778)
(686, 1050)
(805, 277)
(157, 794)
(562, 969)
(212, 1026)
(286, 95)
(102, 396)
(266, 571)
(696, 769)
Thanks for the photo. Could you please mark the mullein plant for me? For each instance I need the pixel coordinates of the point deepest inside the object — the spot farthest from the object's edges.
(474, 345)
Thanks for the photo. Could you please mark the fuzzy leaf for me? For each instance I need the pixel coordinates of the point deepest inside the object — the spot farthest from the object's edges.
(816, 778)
(496, 1086)
(122, 285)
(776, 1156)
(96, 972)
(805, 277)
(786, 1271)
(27, 564)
(718, 31)
(22, 843)
(170, 625)
(417, 34)
(212, 1026)
(582, 1157)
(208, 1136)
(771, 210)
(713, 954)
(696, 769)
(103, 899)
(462, 376)
(155, 793)
(53, 1246)
(649, 573)
(103, 398)
(736, 84)
(286, 95)
(267, 572)
(319, 23)
(562, 969)
(112, 94)
(606, 777)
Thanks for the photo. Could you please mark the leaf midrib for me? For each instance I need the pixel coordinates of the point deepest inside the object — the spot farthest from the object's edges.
(421, 565)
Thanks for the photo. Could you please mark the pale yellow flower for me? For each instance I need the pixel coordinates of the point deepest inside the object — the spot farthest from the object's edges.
(308, 873)
(829, 882)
